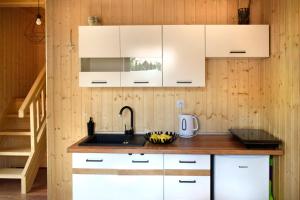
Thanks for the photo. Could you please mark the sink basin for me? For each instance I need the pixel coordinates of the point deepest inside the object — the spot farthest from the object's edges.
(114, 140)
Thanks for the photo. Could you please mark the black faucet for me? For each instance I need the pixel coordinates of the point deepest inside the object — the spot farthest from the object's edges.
(131, 130)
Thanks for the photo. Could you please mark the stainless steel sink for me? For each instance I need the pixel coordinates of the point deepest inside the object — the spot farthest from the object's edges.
(114, 140)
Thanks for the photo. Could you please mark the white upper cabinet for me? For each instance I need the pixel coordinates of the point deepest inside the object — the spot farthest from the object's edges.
(142, 41)
(237, 41)
(99, 41)
(141, 48)
(184, 55)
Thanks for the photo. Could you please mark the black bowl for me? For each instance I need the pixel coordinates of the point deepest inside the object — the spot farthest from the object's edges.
(161, 141)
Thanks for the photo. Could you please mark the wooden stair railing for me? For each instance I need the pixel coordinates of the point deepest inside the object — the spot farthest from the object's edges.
(35, 102)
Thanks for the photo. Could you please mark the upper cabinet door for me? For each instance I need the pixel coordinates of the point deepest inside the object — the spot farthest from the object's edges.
(184, 55)
(99, 41)
(237, 41)
(141, 48)
(141, 41)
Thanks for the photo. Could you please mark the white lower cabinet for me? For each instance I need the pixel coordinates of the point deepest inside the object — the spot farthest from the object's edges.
(187, 188)
(117, 187)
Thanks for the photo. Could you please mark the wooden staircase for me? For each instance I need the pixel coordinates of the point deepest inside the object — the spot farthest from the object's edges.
(22, 135)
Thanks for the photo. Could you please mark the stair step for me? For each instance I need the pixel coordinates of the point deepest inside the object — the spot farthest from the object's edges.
(11, 173)
(15, 115)
(15, 151)
(15, 132)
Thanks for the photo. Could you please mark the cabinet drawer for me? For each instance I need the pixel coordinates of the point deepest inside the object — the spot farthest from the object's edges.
(187, 161)
(117, 161)
(187, 188)
(99, 79)
(145, 161)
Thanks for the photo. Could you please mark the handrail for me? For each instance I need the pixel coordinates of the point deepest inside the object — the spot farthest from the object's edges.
(38, 83)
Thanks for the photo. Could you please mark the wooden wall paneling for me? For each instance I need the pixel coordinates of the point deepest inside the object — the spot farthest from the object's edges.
(159, 109)
(200, 11)
(274, 20)
(179, 12)
(170, 109)
(222, 96)
(287, 91)
(117, 105)
(256, 11)
(76, 98)
(149, 108)
(96, 108)
(138, 104)
(232, 12)
(51, 181)
(211, 98)
(254, 93)
(222, 13)
(189, 11)
(282, 66)
(295, 97)
(106, 109)
(158, 11)
(281, 90)
(126, 11)
(211, 12)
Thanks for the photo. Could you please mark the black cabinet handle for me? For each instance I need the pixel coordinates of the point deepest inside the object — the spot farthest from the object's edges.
(184, 82)
(242, 51)
(141, 82)
(99, 82)
(90, 160)
(180, 181)
(243, 167)
(189, 162)
(140, 161)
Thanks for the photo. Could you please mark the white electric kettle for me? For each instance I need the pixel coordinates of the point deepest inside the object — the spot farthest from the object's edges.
(188, 125)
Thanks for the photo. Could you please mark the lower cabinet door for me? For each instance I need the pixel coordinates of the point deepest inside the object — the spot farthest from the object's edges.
(187, 188)
(114, 187)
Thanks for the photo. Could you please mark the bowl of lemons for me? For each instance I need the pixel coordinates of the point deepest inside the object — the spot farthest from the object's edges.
(160, 137)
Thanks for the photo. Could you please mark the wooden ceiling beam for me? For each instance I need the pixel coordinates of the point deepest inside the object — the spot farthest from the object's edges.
(21, 3)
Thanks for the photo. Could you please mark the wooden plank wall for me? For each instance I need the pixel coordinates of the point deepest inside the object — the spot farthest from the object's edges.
(232, 97)
(20, 60)
(281, 89)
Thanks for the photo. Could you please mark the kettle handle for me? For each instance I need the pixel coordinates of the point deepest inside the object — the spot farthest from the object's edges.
(196, 122)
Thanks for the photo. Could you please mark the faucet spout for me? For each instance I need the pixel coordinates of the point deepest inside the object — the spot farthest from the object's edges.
(131, 130)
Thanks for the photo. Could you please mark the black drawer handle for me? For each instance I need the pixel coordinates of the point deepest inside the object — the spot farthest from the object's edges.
(99, 82)
(189, 162)
(141, 82)
(243, 167)
(140, 161)
(184, 82)
(238, 51)
(194, 181)
(90, 160)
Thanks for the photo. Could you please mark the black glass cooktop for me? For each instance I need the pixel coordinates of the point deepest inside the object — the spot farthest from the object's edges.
(256, 138)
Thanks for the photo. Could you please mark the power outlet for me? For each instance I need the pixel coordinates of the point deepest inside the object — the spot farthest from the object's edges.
(180, 104)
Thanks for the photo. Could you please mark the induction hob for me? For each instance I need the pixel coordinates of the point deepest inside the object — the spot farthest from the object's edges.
(256, 138)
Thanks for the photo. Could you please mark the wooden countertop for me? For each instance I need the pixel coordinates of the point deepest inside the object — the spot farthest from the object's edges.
(224, 144)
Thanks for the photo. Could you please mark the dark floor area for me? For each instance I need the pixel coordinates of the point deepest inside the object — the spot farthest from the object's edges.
(11, 189)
